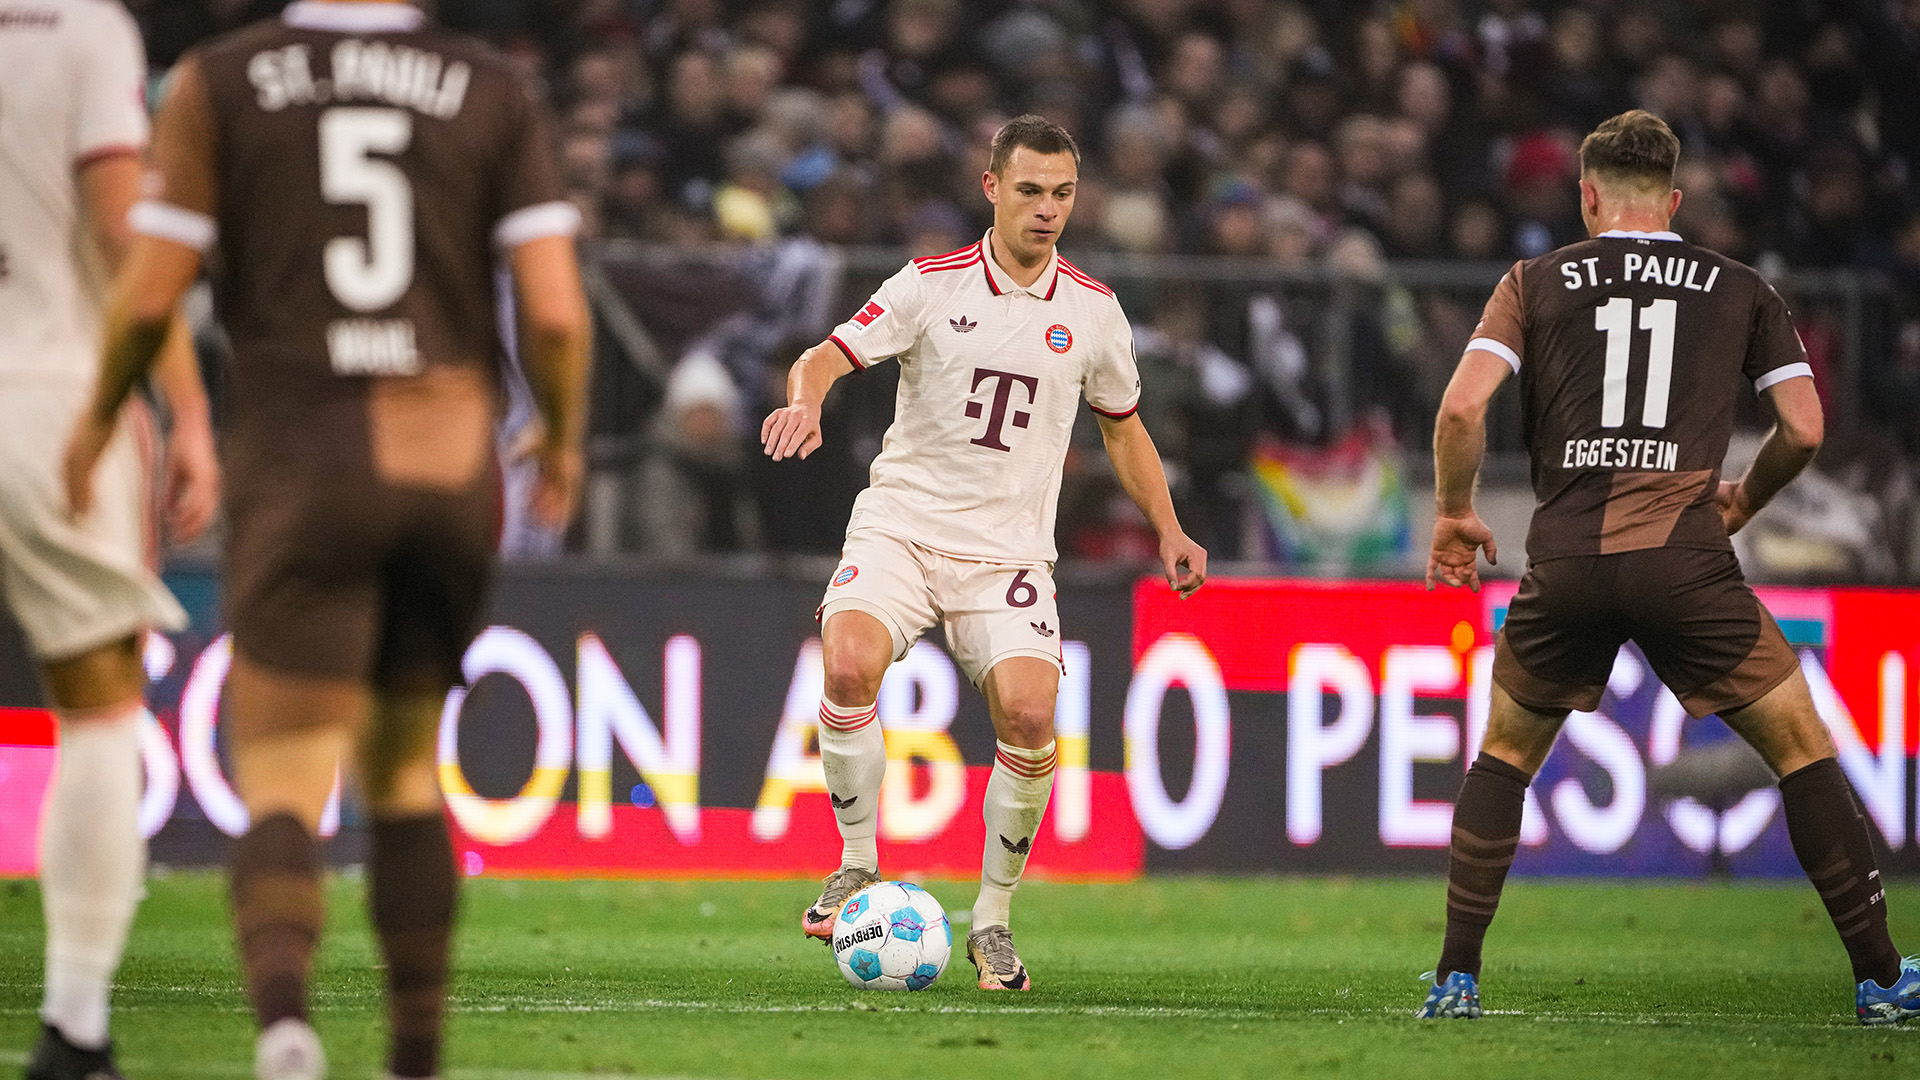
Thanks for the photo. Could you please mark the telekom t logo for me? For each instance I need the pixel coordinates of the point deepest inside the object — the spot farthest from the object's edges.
(1002, 391)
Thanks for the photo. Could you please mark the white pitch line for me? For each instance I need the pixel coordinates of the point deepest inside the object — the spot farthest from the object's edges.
(1141, 1012)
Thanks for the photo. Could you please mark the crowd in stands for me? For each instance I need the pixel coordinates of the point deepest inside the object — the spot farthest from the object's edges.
(1300, 132)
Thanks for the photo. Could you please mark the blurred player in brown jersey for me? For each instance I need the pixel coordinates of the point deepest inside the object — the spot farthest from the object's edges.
(73, 124)
(1631, 348)
(358, 171)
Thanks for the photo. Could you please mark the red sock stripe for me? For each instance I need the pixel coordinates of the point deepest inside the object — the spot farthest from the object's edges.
(1031, 770)
(848, 722)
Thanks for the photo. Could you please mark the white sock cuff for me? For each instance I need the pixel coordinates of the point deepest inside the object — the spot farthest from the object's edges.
(1024, 763)
(847, 720)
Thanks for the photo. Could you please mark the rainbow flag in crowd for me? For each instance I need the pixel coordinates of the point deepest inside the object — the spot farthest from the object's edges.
(1340, 507)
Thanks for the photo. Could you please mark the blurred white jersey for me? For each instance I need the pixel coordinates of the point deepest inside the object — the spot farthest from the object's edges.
(72, 89)
(991, 378)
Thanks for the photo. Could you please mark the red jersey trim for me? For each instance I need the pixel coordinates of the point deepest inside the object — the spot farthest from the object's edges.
(988, 271)
(1116, 415)
(927, 262)
(1081, 276)
(110, 150)
(851, 359)
(943, 267)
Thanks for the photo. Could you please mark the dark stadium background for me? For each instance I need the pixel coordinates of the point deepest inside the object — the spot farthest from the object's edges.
(1302, 207)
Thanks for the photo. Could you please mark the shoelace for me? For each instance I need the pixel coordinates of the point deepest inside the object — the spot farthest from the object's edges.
(996, 944)
(839, 885)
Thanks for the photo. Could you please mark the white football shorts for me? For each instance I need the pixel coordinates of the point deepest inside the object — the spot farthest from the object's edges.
(74, 586)
(988, 610)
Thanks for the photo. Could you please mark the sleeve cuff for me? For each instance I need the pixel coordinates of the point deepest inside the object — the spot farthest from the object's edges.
(851, 359)
(1121, 415)
(105, 150)
(1498, 349)
(166, 221)
(1782, 374)
(535, 222)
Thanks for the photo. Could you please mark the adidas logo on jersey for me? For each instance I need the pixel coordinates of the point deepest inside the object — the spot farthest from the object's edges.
(1042, 629)
(961, 325)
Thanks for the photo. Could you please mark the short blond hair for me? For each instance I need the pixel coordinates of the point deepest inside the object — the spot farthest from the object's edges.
(1635, 147)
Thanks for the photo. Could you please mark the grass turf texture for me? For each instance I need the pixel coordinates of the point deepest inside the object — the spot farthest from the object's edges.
(1181, 977)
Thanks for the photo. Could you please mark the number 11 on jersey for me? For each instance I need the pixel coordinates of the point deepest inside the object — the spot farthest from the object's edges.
(1615, 319)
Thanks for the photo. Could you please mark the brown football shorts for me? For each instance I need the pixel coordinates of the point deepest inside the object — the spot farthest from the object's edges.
(1705, 633)
(357, 579)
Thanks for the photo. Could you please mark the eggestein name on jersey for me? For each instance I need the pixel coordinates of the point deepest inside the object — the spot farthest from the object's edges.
(1653, 455)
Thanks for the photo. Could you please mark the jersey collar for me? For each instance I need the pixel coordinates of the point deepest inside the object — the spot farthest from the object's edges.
(1629, 234)
(1043, 286)
(353, 18)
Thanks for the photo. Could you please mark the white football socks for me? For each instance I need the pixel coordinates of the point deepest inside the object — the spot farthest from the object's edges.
(92, 862)
(854, 754)
(1016, 799)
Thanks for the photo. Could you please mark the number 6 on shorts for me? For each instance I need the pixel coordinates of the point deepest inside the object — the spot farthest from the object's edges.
(1022, 593)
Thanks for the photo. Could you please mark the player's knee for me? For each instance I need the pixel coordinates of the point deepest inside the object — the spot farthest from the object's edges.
(1027, 721)
(851, 680)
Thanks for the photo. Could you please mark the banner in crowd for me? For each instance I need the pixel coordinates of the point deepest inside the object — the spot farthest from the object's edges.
(617, 725)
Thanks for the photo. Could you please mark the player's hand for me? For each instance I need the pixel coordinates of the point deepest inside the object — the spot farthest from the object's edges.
(556, 491)
(1185, 563)
(1456, 548)
(84, 449)
(1734, 511)
(791, 432)
(193, 479)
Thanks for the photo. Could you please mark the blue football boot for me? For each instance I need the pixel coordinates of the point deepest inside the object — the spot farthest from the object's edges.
(1459, 999)
(1894, 1004)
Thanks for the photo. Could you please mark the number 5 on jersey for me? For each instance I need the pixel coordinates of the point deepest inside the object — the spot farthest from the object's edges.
(371, 274)
(1615, 319)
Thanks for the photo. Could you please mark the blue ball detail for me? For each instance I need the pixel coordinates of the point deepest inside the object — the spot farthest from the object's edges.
(864, 963)
(856, 906)
(908, 925)
(948, 927)
(922, 977)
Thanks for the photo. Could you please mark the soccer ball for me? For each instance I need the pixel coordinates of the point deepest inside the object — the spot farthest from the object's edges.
(892, 936)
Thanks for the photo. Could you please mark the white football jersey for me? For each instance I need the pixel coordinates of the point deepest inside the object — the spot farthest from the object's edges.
(72, 88)
(991, 377)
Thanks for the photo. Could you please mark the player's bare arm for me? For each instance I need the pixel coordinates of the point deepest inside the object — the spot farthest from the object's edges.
(794, 431)
(1459, 443)
(108, 188)
(556, 342)
(1137, 463)
(1787, 450)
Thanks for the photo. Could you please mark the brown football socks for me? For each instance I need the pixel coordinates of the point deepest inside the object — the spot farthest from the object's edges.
(1486, 833)
(412, 890)
(277, 909)
(1831, 841)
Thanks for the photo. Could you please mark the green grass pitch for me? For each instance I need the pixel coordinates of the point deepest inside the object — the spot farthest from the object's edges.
(1176, 977)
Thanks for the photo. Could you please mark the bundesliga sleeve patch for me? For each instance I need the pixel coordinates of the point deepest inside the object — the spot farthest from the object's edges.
(869, 313)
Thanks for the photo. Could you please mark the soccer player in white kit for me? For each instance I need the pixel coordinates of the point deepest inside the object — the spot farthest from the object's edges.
(998, 343)
(73, 124)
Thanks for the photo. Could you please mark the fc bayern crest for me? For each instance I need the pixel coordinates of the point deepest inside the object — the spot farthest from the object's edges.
(846, 574)
(1059, 338)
